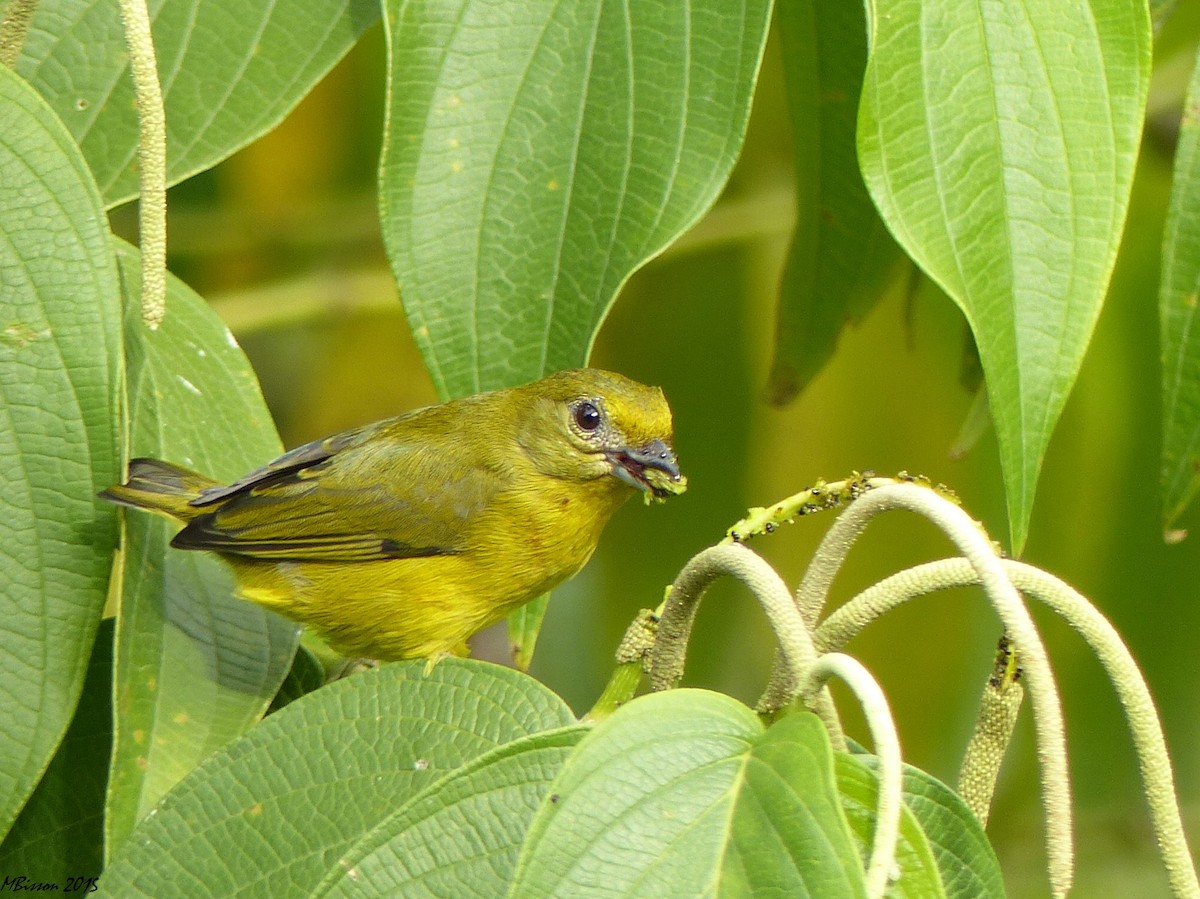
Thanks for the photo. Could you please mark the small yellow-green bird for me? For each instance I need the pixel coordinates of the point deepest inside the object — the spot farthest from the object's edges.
(400, 539)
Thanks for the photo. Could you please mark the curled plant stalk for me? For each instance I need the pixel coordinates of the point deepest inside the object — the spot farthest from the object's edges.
(152, 160)
(1130, 686)
(679, 612)
(881, 495)
(1134, 696)
(1001, 579)
(887, 749)
(885, 494)
(822, 496)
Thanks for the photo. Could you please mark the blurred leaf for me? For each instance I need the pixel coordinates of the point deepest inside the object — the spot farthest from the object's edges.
(999, 141)
(858, 786)
(460, 836)
(523, 627)
(230, 70)
(1160, 11)
(60, 345)
(970, 367)
(683, 793)
(520, 190)
(1177, 299)
(195, 667)
(842, 256)
(306, 674)
(60, 832)
(974, 426)
(273, 813)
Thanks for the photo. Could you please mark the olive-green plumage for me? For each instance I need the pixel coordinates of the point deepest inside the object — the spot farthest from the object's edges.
(402, 538)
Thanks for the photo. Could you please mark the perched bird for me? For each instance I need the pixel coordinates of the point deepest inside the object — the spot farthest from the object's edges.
(401, 539)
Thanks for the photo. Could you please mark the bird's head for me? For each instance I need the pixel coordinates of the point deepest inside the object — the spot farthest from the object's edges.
(586, 424)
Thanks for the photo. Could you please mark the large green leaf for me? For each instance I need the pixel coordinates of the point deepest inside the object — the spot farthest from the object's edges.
(230, 71)
(272, 814)
(941, 851)
(60, 344)
(685, 794)
(966, 861)
(842, 256)
(460, 836)
(194, 666)
(916, 874)
(998, 140)
(1178, 317)
(60, 833)
(519, 190)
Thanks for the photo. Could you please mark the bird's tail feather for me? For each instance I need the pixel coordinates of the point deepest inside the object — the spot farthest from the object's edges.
(158, 486)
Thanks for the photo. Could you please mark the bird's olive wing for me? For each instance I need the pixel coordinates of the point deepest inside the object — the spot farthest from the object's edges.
(388, 491)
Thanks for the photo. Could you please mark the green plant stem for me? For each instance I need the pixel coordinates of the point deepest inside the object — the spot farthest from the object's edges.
(13, 29)
(621, 687)
(315, 299)
(1105, 642)
(887, 749)
(992, 576)
(152, 160)
(631, 657)
(795, 643)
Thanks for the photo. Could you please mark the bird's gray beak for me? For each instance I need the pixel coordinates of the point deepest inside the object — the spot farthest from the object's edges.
(630, 465)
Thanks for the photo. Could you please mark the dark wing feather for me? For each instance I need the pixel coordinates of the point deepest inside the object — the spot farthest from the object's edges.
(404, 488)
(334, 548)
(289, 463)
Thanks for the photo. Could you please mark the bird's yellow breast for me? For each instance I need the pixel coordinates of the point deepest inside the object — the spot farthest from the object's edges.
(530, 538)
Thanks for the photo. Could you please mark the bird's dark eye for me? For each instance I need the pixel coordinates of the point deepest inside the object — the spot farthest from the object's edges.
(587, 416)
